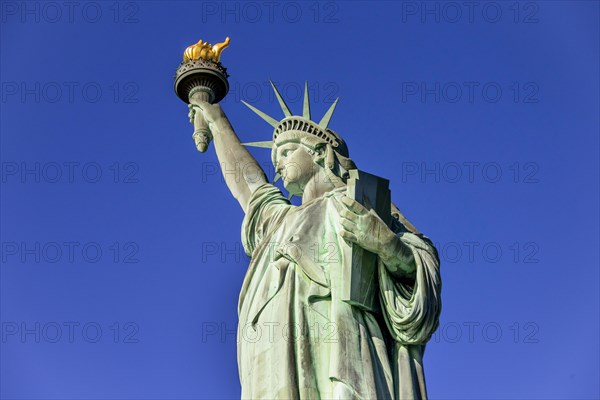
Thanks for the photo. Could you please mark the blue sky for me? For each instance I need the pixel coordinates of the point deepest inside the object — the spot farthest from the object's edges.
(121, 256)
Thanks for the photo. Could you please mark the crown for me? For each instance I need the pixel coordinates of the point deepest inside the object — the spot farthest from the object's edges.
(298, 123)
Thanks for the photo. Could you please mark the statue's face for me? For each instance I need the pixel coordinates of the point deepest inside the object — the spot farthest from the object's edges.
(296, 166)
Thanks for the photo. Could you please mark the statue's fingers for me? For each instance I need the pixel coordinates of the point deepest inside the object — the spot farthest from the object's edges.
(349, 215)
(195, 108)
(201, 105)
(349, 236)
(353, 205)
(348, 225)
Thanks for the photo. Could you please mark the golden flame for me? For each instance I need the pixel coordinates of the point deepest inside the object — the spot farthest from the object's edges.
(205, 50)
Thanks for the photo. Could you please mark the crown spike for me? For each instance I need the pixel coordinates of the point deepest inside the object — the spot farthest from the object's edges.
(284, 107)
(327, 117)
(266, 145)
(306, 107)
(272, 121)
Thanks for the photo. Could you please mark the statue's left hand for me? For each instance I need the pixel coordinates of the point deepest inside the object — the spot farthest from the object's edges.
(367, 230)
(364, 227)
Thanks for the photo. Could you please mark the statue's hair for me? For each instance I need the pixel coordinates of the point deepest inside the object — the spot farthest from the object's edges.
(311, 141)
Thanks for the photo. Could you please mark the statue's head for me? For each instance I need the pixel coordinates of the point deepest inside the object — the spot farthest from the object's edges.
(303, 149)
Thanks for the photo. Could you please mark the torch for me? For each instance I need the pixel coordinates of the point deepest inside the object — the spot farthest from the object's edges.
(202, 78)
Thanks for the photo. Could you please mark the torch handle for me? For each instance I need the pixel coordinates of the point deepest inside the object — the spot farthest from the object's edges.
(202, 136)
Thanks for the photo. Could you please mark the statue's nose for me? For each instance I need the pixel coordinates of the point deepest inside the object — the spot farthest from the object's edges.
(279, 167)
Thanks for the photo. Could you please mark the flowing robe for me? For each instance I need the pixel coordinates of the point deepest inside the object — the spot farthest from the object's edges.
(297, 339)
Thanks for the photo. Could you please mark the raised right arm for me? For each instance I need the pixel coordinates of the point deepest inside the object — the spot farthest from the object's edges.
(242, 172)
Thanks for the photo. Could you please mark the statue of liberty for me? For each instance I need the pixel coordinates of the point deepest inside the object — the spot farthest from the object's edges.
(341, 295)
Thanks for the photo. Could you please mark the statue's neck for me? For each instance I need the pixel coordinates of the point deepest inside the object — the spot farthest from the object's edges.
(317, 186)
